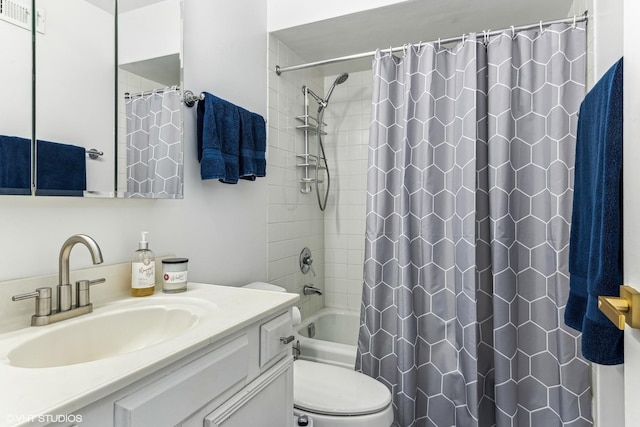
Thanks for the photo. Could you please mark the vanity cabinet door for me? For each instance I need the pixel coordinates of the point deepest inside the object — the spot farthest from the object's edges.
(272, 347)
(179, 394)
(267, 401)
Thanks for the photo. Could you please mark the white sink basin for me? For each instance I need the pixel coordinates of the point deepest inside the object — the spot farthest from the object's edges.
(98, 336)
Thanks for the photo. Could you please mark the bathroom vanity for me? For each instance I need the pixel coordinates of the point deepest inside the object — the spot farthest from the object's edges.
(212, 356)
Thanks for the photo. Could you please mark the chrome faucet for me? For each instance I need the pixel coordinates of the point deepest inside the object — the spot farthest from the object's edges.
(44, 314)
(311, 290)
(64, 287)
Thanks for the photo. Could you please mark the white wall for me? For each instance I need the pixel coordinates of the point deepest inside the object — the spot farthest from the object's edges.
(154, 38)
(291, 13)
(220, 228)
(604, 37)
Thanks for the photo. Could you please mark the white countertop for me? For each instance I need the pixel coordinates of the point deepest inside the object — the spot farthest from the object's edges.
(61, 390)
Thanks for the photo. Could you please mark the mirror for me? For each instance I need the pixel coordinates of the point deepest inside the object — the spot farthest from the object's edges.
(150, 161)
(59, 134)
(74, 87)
(16, 99)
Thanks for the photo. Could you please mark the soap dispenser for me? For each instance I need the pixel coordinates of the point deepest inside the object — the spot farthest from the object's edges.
(143, 269)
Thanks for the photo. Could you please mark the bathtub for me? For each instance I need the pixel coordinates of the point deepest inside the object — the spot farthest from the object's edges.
(335, 340)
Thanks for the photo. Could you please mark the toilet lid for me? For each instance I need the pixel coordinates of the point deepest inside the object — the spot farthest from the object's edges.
(332, 390)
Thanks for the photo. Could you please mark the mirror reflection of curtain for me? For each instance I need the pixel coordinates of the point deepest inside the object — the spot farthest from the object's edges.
(154, 145)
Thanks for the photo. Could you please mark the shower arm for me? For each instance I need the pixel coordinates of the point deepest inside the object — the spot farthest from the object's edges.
(320, 101)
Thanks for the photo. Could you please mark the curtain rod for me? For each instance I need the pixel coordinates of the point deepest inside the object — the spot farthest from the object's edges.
(128, 95)
(575, 19)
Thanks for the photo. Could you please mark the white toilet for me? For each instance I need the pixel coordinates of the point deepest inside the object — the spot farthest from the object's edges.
(333, 396)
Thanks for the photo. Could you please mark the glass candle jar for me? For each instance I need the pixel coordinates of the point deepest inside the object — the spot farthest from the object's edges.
(174, 275)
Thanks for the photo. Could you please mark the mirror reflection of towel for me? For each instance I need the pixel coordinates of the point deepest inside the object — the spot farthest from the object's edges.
(61, 169)
(15, 165)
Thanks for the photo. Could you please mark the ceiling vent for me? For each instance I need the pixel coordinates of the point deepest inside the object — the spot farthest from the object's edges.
(19, 14)
(15, 13)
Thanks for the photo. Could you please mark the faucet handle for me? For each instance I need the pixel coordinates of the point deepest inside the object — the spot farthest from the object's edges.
(309, 263)
(43, 300)
(82, 291)
(306, 261)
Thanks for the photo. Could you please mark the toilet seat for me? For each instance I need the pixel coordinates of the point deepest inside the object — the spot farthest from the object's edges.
(331, 390)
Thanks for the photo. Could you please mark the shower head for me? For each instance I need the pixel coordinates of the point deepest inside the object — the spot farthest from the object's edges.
(338, 81)
(342, 78)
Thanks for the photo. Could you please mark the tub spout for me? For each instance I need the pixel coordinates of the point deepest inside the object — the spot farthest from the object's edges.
(311, 290)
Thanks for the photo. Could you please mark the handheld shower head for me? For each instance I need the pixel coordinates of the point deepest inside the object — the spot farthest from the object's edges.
(338, 81)
(342, 78)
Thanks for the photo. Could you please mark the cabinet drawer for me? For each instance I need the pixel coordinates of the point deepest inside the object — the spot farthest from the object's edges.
(182, 392)
(271, 345)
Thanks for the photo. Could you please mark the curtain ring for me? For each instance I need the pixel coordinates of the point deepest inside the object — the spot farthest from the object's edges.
(404, 49)
(439, 45)
(463, 38)
(513, 32)
(574, 22)
(541, 30)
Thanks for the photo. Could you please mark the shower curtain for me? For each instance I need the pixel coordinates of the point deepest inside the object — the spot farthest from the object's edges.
(154, 145)
(467, 232)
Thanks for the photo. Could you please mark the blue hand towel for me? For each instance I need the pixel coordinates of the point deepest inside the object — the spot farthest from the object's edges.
(253, 144)
(15, 165)
(595, 246)
(218, 134)
(61, 169)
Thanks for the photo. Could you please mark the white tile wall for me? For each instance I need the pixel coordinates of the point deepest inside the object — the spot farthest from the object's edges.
(347, 117)
(294, 220)
(336, 237)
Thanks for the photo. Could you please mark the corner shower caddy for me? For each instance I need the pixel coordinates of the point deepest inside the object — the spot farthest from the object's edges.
(309, 125)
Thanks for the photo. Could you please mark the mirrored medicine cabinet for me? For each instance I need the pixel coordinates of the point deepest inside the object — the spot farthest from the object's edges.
(75, 94)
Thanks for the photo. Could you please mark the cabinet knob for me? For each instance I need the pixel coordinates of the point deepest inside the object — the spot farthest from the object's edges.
(287, 340)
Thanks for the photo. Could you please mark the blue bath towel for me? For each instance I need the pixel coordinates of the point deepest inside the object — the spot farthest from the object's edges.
(595, 247)
(15, 165)
(61, 169)
(253, 144)
(218, 136)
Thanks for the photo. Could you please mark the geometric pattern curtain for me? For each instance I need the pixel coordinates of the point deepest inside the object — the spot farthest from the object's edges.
(154, 145)
(467, 232)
